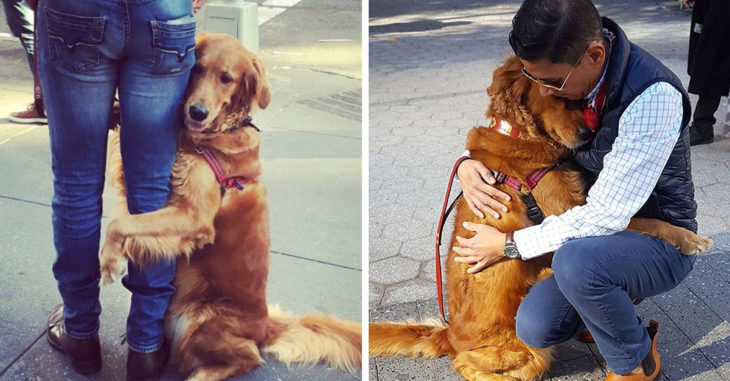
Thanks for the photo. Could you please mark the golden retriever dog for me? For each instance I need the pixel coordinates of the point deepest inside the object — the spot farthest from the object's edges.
(480, 337)
(218, 321)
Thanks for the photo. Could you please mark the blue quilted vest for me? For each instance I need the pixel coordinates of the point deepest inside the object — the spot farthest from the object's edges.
(630, 71)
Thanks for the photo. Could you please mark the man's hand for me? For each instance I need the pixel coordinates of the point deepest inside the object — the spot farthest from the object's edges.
(483, 250)
(481, 197)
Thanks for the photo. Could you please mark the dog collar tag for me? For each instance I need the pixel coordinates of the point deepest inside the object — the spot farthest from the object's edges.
(503, 127)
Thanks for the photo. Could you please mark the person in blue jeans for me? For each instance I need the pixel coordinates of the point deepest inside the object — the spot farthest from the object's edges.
(636, 164)
(89, 51)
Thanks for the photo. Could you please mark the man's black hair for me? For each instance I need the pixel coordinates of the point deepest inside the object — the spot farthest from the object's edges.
(557, 30)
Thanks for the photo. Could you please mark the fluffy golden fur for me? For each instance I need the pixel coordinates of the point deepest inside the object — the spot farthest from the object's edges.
(218, 320)
(480, 337)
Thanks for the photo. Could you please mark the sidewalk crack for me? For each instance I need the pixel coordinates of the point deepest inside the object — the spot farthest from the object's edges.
(2, 372)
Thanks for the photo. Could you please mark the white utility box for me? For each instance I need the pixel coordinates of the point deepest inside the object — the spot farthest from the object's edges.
(239, 19)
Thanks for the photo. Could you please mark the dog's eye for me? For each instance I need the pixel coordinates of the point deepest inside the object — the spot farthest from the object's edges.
(197, 69)
(226, 78)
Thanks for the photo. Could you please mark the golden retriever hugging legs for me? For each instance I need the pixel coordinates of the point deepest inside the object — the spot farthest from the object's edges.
(217, 217)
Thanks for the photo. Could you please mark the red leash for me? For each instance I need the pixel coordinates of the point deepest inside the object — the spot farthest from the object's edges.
(439, 231)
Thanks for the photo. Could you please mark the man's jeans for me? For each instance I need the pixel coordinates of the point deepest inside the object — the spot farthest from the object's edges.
(87, 51)
(594, 281)
(20, 21)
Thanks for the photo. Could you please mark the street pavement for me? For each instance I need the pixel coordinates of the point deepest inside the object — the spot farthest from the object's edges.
(430, 63)
(311, 155)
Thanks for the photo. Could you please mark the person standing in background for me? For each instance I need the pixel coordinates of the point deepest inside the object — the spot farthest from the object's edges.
(708, 64)
(19, 17)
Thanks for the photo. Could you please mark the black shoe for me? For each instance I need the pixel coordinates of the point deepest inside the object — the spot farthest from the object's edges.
(700, 135)
(83, 355)
(147, 366)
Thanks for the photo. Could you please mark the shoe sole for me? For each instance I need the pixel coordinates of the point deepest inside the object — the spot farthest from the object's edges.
(28, 121)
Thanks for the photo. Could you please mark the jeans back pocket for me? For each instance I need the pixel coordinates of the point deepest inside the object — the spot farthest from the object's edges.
(73, 41)
(174, 44)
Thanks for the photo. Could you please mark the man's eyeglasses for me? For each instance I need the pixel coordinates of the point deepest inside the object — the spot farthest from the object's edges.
(552, 85)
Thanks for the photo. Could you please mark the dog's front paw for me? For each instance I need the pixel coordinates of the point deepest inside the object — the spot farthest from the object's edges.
(206, 236)
(112, 262)
(694, 245)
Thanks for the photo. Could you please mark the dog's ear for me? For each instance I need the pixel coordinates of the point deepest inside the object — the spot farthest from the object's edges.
(257, 86)
(201, 41)
(507, 91)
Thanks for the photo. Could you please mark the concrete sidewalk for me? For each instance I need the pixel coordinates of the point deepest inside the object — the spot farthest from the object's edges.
(430, 63)
(311, 154)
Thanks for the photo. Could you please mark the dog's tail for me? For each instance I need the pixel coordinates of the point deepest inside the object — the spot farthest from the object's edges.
(311, 339)
(428, 339)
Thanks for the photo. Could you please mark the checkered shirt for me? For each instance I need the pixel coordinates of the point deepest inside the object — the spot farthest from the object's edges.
(647, 133)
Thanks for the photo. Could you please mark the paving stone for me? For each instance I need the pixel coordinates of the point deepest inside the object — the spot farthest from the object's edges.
(581, 368)
(419, 249)
(405, 369)
(429, 308)
(407, 229)
(393, 270)
(398, 312)
(381, 248)
(708, 331)
(410, 291)
(393, 212)
(375, 294)
(373, 369)
(375, 229)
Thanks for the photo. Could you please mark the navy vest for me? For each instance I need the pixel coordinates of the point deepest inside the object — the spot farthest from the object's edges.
(630, 71)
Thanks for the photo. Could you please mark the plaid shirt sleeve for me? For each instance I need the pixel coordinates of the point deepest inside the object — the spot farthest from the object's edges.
(647, 133)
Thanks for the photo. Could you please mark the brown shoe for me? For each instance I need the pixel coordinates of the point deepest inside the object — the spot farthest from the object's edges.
(652, 363)
(29, 116)
(83, 355)
(147, 366)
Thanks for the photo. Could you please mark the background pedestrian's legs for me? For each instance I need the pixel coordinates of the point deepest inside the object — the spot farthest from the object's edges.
(20, 21)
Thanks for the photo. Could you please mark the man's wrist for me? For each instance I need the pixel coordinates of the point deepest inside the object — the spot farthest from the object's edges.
(510, 248)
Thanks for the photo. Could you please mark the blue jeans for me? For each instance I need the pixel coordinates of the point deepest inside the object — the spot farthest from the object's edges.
(20, 21)
(88, 50)
(594, 281)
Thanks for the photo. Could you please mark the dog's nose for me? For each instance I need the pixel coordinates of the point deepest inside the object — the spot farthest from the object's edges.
(198, 112)
(584, 133)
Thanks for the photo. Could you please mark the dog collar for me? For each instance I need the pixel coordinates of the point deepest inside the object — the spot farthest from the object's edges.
(245, 122)
(503, 127)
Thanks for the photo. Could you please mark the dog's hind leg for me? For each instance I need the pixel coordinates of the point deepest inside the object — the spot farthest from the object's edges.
(501, 363)
(217, 347)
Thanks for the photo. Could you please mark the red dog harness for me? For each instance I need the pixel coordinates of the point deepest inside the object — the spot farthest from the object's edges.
(220, 174)
(224, 180)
